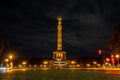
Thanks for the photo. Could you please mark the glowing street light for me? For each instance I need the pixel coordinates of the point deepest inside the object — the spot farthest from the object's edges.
(117, 56)
(88, 65)
(24, 63)
(94, 62)
(6, 60)
(10, 56)
(73, 62)
(107, 59)
(45, 62)
(11, 64)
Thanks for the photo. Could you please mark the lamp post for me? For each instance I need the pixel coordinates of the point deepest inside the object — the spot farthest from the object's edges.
(117, 56)
(11, 64)
(107, 62)
(6, 60)
(94, 63)
(24, 64)
(73, 62)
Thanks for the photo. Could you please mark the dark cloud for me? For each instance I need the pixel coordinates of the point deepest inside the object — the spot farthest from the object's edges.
(30, 26)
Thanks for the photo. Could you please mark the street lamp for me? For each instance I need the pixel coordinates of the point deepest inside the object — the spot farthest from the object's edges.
(72, 62)
(10, 56)
(45, 62)
(94, 63)
(108, 62)
(6, 60)
(107, 59)
(11, 64)
(117, 56)
(24, 63)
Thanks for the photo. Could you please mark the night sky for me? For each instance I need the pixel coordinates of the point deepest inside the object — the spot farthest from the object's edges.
(29, 27)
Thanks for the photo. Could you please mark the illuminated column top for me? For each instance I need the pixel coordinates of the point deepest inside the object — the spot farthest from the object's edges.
(59, 34)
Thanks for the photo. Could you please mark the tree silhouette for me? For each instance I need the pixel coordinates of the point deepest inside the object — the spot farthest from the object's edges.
(114, 41)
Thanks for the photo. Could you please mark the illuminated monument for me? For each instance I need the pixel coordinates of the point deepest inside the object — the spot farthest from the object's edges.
(59, 54)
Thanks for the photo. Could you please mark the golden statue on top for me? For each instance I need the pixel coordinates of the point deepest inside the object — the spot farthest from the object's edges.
(59, 18)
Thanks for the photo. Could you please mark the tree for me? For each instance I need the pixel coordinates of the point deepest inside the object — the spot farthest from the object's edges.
(114, 41)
